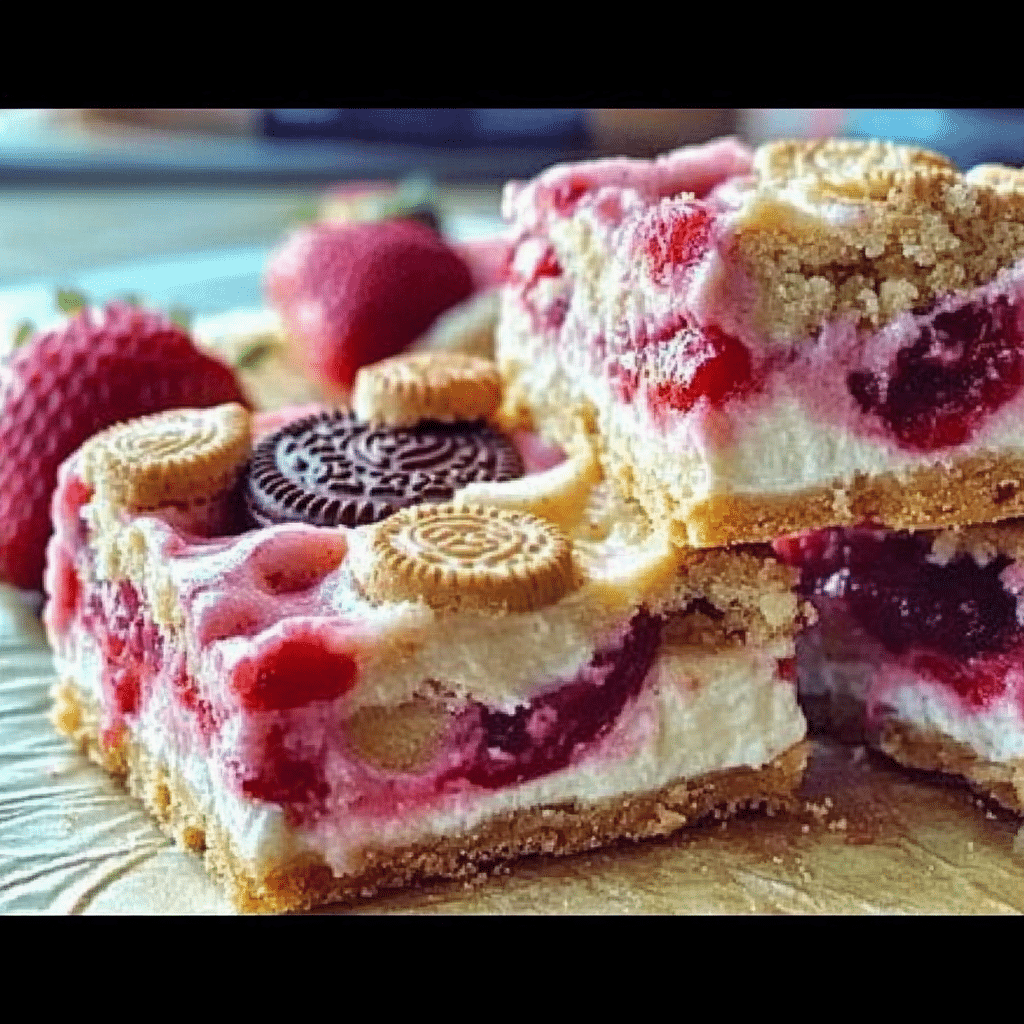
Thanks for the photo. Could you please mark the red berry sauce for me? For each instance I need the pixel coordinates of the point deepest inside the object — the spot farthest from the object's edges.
(65, 591)
(961, 367)
(502, 749)
(543, 736)
(565, 195)
(547, 266)
(683, 365)
(715, 366)
(186, 692)
(955, 622)
(625, 380)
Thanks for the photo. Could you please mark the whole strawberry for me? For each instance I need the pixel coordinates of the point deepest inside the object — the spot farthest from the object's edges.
(63, 386)
(351, 294)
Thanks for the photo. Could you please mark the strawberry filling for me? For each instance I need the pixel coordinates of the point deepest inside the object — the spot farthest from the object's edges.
(292, 673)
(653, 302)
(954, 624)
(131, 647)
(270, 722)
(676, 242)
(681, 367)
(285, 778)
(486, 748)
(544, 735)
(961, 367)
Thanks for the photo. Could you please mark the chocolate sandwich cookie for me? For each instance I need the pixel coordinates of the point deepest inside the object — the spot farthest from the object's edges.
(331, 469)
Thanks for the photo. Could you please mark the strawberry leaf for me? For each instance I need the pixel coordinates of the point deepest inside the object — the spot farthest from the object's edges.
(70, 301)
(181, 316)
(23, 332)
(254, 353)
(307, 213)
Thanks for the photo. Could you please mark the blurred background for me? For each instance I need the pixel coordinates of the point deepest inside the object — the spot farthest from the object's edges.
(184, 206)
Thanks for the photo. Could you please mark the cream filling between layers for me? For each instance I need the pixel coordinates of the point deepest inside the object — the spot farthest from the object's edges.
(220, 594)
(699, 713)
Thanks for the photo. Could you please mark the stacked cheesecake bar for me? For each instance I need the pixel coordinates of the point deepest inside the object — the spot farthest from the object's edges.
(548, 604)
(812, 336)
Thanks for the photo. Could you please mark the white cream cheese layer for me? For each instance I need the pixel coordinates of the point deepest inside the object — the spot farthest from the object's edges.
(995, 733)
(699, 713)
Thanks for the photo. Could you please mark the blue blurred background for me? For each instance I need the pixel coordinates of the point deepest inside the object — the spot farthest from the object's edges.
(183, 207)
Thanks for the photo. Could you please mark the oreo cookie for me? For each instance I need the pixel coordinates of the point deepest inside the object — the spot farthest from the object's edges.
(331, 469)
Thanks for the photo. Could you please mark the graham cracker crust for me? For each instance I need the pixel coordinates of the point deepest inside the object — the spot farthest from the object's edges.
(930, 751)
(980, 489)
(306, 882)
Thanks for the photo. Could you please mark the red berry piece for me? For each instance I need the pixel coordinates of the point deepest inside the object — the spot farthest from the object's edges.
(566, 194)
(548, 266)
(979, 680)
(710, 365)
(62, 387)
(295, 672)
(352, 294)
(625, 380)
(283, 778)
(677, 239)
(185, 691)
(131, 645)
(959, 369)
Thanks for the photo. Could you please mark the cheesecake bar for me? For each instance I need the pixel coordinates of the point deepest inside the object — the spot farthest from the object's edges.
(337, 655)
(919, 648)
(810, 334)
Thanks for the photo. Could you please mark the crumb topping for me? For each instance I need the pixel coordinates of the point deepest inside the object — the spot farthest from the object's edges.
(869, 230)
(735, 595)
(999, 176)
